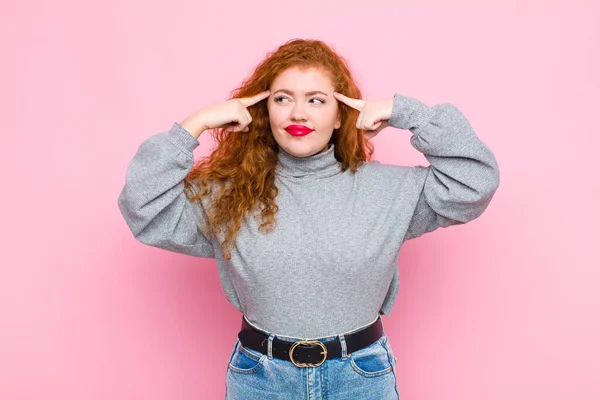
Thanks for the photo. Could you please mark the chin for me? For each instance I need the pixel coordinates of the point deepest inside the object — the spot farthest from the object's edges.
(302, 150)
(302, 146)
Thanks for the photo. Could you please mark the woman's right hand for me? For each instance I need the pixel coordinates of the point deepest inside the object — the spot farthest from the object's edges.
(231, 114)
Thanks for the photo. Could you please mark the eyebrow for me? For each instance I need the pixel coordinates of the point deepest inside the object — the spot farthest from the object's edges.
(307, 93)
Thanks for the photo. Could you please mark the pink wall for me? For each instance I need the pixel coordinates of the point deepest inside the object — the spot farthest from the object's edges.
(505, 307)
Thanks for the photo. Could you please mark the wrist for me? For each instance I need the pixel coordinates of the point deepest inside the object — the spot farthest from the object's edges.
(389, 108)
(193, 125)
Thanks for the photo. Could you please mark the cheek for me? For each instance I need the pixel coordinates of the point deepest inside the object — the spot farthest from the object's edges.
(276, 117)
(328, 118)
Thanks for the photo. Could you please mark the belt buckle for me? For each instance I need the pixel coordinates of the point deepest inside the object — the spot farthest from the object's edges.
(308, 342)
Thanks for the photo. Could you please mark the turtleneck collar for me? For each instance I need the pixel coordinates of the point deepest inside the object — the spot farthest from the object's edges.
(319, 165)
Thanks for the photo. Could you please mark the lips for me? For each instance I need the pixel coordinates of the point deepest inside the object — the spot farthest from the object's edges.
(298, 130)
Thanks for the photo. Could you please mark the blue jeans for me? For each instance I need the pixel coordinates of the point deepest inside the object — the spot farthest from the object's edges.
(366, 374)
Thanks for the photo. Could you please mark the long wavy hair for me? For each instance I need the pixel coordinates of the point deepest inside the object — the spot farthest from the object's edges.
(239, 175)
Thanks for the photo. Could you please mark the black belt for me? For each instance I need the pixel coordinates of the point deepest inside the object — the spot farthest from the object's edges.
(309, 353)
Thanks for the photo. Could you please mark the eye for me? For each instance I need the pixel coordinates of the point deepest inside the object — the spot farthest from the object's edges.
(278, 99)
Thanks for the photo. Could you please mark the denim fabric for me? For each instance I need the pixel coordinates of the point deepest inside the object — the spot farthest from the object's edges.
(366, 374)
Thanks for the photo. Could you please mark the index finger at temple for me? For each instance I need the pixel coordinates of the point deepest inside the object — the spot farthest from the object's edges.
(354, 103)
(248, 101)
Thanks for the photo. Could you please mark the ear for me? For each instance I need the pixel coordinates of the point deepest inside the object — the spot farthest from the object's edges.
(338, 121)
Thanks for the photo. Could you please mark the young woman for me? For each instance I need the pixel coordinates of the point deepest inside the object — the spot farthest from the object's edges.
(305, 229)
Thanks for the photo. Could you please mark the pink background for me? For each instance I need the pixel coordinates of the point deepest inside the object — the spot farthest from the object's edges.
(505, 307)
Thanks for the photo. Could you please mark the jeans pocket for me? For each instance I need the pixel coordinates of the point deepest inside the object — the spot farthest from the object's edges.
(373, 360)
(245, 360)
(390, 351)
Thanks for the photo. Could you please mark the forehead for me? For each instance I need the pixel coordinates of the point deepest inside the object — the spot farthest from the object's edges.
(306, 79)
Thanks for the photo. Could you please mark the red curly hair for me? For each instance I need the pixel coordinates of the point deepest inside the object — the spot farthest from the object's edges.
(240, 172)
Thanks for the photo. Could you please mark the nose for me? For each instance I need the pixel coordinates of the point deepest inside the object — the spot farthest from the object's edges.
(298, 112)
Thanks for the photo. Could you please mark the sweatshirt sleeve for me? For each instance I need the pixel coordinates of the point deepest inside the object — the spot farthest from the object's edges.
(463, 173)
(153, 201)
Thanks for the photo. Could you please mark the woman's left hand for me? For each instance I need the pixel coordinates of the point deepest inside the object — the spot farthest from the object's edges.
(373, 115)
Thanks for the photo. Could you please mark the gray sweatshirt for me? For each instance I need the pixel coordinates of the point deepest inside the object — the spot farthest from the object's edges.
(331, 263)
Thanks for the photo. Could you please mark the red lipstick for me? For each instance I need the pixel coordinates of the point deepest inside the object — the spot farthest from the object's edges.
(298, 130)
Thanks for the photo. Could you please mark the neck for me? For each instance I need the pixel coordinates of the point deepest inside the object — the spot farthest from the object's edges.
(318, 165)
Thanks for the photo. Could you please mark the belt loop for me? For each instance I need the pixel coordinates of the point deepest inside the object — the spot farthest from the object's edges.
(343, 343)
(270, 346)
